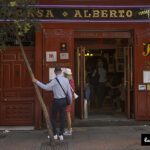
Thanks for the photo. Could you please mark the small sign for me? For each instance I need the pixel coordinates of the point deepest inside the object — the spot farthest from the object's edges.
(142, 87)
(51, 56)
(146, 76)
(63, 46)
(64, 55)
(148, 87)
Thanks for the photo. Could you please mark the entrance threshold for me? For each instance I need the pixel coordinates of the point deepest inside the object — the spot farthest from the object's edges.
(19, 128)
(107, 120)
(106, 117)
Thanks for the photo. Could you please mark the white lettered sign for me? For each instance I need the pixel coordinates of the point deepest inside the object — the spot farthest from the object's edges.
(51, 56)
(64, 55)
(142, 87)
(146, 76)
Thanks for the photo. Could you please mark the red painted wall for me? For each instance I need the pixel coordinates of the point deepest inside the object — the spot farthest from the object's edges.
(141, 98)
(94, 2)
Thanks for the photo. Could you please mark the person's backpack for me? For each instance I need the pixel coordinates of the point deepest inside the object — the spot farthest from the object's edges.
(95, 78)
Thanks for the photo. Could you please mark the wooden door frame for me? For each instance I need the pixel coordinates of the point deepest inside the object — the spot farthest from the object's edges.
(129, 83)
(81, 77)
(128, 76)
(38, 75)
(39, 68)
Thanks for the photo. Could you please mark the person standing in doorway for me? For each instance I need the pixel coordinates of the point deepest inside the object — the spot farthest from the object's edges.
(87, 91)
(100, 87)
(68, 75)
(59, 102)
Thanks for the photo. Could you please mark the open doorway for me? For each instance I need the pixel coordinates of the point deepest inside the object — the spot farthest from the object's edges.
(103, 76)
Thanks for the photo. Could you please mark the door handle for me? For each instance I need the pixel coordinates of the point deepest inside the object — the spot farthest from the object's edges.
(5, 99)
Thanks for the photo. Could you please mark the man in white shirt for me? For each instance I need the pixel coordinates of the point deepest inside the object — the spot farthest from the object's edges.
(59, 102)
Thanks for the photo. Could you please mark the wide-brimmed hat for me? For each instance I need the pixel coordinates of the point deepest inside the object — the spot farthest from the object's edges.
(68, 71)
(57, 68)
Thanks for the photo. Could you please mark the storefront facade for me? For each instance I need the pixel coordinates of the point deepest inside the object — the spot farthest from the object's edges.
(65, 25)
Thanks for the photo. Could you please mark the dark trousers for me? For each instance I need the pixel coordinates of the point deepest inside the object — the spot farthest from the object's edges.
(100, 90)
(58, 106)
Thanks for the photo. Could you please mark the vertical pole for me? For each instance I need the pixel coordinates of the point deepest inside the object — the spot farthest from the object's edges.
(46, 115)
(128, 104)
(82, 82)
(78, 53)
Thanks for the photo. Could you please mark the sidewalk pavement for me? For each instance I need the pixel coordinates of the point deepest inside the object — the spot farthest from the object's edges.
(83, 138)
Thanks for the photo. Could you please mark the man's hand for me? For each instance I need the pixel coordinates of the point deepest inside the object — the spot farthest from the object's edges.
(34, 80)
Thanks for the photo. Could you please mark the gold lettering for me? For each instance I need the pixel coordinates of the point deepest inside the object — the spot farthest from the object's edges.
(121, 13)
(30, 14)
(144, 12)
(87, 14)
(148, 51)
(19, 12)
(104, 13)
(49, 14)
(129, 13)
(77, 14)
(40, 13)
(113, 14)
(95, 13)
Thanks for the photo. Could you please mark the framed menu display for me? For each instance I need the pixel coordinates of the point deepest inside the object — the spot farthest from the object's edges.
(146, 76)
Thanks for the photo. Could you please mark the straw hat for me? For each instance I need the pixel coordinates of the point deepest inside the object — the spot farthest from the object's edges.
(68, 71)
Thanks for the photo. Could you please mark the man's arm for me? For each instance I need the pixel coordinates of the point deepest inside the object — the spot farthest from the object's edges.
(47, 86)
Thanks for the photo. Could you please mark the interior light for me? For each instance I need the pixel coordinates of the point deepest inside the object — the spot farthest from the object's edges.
(91, 54)
(88, 54)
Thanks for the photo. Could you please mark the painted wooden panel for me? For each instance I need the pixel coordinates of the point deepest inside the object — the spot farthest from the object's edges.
(17, 97)
(6, 75)
(148, 105)
(17, 113)
(17, 75)
(142, 104)
(26, 76)
(9, 57)
(52, 40)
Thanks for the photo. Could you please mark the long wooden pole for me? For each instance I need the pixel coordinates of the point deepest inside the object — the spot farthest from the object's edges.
(46, 115)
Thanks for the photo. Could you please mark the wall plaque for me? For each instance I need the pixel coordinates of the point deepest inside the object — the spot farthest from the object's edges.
(146, 76)
(64, 55)
(51, 56)
(142, 87)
